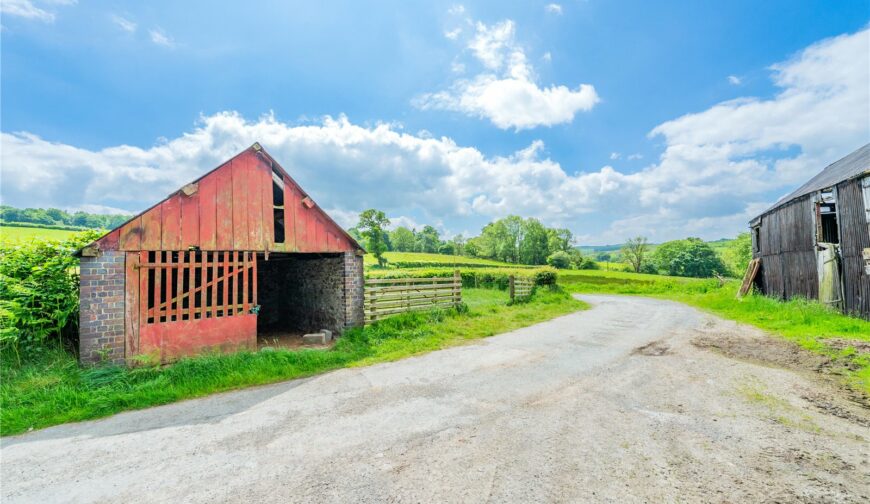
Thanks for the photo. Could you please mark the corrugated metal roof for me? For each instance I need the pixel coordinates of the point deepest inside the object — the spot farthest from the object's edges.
(851, 166)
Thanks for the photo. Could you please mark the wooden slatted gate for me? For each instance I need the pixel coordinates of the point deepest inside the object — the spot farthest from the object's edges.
(183, 302)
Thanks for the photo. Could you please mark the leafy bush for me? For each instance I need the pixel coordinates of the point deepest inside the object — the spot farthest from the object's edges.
(39, 291)
(559, 260)
(690, 258)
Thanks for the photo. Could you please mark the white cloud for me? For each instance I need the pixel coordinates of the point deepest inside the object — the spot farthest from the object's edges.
(734, 80)
(453, 34)
(720, 166)
(28, 9)
(456, 10)
(632, 157)
(457, 67)
(124, 23)
(547, 56)
(615, 155)
(159, 37)
(506, 92)
(554, 8)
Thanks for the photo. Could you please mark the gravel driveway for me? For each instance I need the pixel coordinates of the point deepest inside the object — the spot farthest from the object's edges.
(635, 400)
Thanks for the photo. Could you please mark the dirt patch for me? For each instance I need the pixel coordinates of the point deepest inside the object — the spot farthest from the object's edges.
(861, 347)
(768, 351)
(827, 404)
(654, 349)
(286, 340)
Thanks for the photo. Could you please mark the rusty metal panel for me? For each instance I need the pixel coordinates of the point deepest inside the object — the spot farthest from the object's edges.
(207, 212)
(240, 203)
(224, 206)
(152, 225)
(171, 235)
(189, 220)
(130, 236)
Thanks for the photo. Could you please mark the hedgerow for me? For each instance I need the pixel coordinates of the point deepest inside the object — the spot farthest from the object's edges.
(39, 291)
(489, 278)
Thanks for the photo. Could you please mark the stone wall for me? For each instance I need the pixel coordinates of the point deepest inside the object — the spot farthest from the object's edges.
(301, 292)
(101, 308)
(353, 289)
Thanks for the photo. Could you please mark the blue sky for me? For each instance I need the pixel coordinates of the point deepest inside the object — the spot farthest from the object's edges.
(614, 119)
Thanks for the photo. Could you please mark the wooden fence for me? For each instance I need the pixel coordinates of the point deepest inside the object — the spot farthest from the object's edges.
(521, 287)
(388, 296)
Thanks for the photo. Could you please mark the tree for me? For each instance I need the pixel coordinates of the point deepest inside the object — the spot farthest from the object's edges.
(533, 246)
(737, 254)
(559, 260)
(559, 239)
(635, 252)
(428, 240)
(402, 239)
(371, 225)
(690, 257)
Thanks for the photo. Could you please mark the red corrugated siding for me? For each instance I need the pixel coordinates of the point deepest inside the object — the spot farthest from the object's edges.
(231, 210)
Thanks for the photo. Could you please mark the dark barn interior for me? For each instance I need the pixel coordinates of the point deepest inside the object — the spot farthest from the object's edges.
(298, 294)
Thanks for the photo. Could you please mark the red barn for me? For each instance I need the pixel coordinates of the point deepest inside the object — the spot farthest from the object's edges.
(239, 253)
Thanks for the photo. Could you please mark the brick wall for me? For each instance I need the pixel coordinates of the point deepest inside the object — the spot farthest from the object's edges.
(353, 289)
(101, 308)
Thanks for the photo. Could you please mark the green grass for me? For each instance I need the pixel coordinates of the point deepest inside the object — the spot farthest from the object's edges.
(53, 389)
(806, 323)
(10, 234)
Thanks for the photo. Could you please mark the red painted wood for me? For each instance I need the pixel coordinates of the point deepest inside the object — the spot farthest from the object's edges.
(214, 287)
(130, 235)
(158, 290)
(267, 210)
(143, 295)
(171, 236)
(224, 204)
(189, 220)
(207, 212)
(169, 341)
(179, 286)
(232, 210)
(226, 283)
(233, 278)
(167, 295)
(240, 203)
(254, 278)
(255, 203)
(151, 226)
(291, 202)
(246, 308)
(131, 303)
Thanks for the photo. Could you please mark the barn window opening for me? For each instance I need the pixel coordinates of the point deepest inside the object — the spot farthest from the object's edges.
(756, 235)
(278, 206)
(826, 219)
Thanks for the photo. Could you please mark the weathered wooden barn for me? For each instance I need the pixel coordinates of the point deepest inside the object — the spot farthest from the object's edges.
(239, 253)
(815, 242)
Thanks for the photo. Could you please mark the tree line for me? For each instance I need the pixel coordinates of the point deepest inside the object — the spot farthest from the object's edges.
(60, 218)
(511, 239)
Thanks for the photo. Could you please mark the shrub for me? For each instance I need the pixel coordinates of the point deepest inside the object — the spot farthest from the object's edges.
(39, 291)
(494, 278)
(559, 260)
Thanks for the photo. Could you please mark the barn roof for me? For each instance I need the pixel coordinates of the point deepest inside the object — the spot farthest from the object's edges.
(854, 165)
(321, 232)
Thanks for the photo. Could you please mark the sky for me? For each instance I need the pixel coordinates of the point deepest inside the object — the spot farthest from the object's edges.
(611, 118)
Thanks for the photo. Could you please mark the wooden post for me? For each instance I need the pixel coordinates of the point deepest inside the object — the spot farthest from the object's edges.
(511, 278)
(457, 288)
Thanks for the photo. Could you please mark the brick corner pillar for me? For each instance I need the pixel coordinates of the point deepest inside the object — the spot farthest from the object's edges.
(353, 290)
(101, 308)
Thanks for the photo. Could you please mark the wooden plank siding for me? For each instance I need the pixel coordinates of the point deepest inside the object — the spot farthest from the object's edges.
(231, 209)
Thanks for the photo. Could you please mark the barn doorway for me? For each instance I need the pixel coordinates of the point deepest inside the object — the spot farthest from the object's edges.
(298, 294)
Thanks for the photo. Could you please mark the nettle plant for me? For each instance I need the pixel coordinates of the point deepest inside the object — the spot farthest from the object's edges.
(39, 291)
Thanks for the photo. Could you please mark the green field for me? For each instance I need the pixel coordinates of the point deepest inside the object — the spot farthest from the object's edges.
(9, 234)
(424, 259)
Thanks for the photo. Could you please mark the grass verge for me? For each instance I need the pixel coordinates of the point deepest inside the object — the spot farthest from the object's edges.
(53, 389)
(807, 323)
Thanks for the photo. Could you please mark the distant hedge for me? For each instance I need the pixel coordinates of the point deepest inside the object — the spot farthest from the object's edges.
(446, 264)
(61, 227)
(493, 278)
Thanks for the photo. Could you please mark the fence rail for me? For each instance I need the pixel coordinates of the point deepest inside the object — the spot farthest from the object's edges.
(521, 287)
(389, 296)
